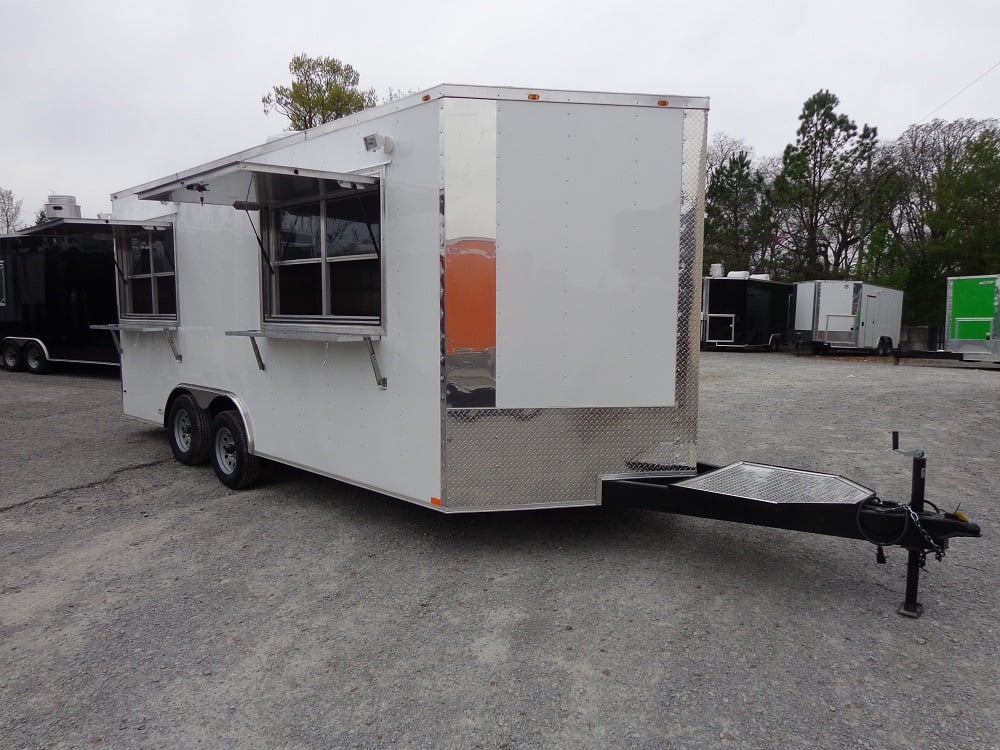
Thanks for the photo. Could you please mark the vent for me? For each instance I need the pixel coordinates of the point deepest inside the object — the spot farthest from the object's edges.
(62, 207)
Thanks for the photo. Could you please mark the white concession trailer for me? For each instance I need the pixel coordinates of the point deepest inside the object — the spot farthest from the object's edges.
(471, 298)
(846, 315)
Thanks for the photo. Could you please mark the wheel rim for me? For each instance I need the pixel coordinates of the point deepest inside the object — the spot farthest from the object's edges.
(225, 450)
(33, 358)
(9, 357)
(182, 431)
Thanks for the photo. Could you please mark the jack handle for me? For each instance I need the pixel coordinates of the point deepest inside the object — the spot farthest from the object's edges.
(911, 453)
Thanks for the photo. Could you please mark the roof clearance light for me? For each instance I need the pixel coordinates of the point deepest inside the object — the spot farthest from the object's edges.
(425, 98)
(533, 97)
(663, 103)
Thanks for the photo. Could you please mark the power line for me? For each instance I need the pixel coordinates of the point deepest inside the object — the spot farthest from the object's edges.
(953, 98)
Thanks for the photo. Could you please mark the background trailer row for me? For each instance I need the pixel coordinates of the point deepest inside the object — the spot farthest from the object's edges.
(741, 311)
(57, 279)
(847, 315)
(972, 328)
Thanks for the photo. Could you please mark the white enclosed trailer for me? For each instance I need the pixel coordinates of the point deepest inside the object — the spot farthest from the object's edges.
(847, 315)
(471, 298)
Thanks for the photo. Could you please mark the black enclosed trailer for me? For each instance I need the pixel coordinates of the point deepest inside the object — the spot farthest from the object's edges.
(744, 312)
(56, 281)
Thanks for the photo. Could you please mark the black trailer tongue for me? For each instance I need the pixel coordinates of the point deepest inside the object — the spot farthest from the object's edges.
(797, 500)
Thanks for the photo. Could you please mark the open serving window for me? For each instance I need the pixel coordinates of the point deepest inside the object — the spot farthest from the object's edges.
(320, 239)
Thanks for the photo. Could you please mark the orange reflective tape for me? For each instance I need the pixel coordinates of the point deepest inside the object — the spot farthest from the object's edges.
(470, 289)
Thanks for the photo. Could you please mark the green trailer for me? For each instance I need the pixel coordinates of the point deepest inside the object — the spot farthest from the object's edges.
(973, 317)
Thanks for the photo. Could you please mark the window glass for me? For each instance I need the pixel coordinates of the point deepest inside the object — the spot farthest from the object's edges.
(166, 295)
(163, 257)
(352, 225)
(326, 262)
(148, 283)
(355, 287)
(299, 289)
(138, 256)
(140, 295)
(299, 233)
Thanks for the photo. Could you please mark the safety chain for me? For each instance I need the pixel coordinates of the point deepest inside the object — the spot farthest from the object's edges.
(938, 549)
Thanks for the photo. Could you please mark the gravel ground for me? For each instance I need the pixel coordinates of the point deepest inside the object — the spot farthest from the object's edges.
(143, 604)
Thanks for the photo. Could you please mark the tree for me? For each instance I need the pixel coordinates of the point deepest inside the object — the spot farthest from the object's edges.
(720, 150)
(323, 89)
(10, 211)
(40, 216)
(964, 226)
(738, 225)
(920, 154)
(928, 159)
(820, 189)
(966, 221)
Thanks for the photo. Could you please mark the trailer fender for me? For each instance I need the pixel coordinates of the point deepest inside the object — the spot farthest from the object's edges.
(23, 341)
(213, 401)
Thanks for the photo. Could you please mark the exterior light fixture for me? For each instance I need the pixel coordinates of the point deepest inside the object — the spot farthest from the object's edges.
(375, 141)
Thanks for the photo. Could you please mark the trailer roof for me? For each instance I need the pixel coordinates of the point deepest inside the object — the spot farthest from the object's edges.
(444, 91)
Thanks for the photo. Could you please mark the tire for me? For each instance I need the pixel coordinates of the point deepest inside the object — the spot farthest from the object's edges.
(35, 361)
(190, 430)
(234, 465)
(13, 357)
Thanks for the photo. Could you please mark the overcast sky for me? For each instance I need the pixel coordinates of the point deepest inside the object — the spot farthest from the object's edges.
(97, 96)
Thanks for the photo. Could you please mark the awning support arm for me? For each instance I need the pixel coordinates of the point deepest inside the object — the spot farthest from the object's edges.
(256, 353)
(173, 345)
(383, 383)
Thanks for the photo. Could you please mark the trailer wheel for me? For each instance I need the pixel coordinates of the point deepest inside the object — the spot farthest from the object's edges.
(34, 359)
(13, 357)
(190, 429)
(234, 465)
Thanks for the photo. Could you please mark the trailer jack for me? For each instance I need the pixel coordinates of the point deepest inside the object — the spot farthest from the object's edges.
(783, 498)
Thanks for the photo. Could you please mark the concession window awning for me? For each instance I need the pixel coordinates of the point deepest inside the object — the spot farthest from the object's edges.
(250, 185)
(64, 227)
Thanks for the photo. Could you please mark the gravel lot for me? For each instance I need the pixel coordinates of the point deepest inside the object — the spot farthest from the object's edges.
(143, 604)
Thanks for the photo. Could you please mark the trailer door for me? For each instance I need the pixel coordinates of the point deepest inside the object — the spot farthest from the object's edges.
(869, 323)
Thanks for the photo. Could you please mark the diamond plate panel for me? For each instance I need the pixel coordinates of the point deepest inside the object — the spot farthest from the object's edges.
(777, 484)
(510, 458)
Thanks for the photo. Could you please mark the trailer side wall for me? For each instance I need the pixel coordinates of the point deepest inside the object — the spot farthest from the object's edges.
(316, 404)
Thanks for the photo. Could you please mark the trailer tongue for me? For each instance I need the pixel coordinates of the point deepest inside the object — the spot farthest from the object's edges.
(797, 500)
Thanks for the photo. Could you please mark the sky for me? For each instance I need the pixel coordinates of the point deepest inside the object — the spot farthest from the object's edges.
(99, 95)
